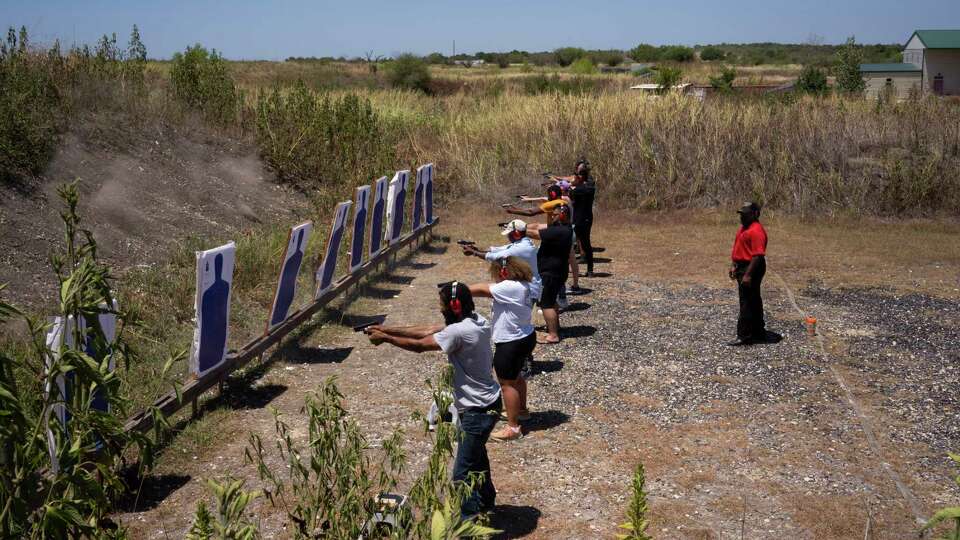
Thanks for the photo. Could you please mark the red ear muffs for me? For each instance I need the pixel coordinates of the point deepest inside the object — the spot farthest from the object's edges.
(504, 273)
(455, 306)
(515, 235)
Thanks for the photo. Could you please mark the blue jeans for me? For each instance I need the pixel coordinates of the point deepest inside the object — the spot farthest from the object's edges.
(475, 428)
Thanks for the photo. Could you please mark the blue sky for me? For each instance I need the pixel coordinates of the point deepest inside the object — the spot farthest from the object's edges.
(248, 29)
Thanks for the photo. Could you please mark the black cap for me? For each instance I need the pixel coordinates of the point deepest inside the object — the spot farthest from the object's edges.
(749, 207)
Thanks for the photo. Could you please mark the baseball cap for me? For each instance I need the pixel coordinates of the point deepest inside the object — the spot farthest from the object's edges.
(517, 225)
(748, 207)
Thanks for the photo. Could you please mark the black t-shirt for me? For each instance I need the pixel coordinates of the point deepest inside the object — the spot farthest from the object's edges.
(582, 198)
(554, 253)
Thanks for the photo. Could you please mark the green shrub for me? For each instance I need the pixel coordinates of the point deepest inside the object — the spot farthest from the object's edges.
(583, 66)
(637, 522)
(812, 81)
(317, 141)
(724, 81)
(30, 109)
(676, 53)
(410, 72)
(847, 68)
(202, 80)
(668, 77)
(644, 53)
(565, 56)
(711, 53)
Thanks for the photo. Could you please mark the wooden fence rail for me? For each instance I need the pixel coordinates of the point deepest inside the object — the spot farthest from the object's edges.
(171, 402)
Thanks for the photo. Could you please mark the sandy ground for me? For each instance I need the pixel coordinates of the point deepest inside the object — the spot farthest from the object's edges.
(787, 440)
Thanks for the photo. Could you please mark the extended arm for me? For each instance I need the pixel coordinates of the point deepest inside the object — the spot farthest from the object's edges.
(417, 345)
(524, 198)
(481, 289)
(523, 211)
(412, 332)
(533, 230)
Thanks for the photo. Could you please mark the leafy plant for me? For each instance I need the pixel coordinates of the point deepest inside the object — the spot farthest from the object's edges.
(812, 80)
(711, 53)
(409, 72)
(724, 81)
(847, 68)
(583, 66)
(637, 522)
(201, 79)
(565, 56)
(229, 523)
(949, 513)
(667, 77)
(60, 474)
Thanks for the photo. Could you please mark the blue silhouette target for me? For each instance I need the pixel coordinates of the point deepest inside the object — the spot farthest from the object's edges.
(214, 281)
(428, 191)
(328, 266)
(361, 202)
(289, 270)
(396, 198)
(376, 222)
(418, 201)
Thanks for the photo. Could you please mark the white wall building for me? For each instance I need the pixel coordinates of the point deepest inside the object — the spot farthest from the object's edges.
(931, 62)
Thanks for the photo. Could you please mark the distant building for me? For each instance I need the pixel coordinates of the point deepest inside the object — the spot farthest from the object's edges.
(931, 63)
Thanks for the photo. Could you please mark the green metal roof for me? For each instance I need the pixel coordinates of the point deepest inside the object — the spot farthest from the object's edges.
(867, 68)
(938, 39)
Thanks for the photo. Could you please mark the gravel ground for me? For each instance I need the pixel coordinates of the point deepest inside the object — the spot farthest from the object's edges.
(754, 441)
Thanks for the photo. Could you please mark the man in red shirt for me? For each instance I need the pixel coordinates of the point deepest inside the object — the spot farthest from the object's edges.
(749, 266)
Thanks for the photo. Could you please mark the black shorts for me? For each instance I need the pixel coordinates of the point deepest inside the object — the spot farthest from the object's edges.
(508, 357)
(552, 285)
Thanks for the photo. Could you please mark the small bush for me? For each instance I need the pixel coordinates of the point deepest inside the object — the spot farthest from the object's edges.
(409, 72)
(201, 80)
(583, 66)
(724, 81)
(668, 77)
(644, 53)
(812, 81)
(567, 55)
(709, 54)
(847, 68)
(676, 53)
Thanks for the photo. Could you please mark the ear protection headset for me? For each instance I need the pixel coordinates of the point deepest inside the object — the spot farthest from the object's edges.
(564, 211)
(454, 303)
(553, 193)
(504, 272)
(515, 235)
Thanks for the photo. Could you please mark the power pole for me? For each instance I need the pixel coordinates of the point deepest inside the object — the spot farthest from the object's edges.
(454, 47)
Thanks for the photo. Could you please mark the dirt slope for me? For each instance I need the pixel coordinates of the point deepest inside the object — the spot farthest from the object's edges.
(142, 189)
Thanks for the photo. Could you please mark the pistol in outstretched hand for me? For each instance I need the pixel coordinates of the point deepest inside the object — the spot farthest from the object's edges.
(376, 320)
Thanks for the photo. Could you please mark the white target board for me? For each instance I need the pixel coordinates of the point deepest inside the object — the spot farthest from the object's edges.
(212, 305)
(292, 260)
(396, 199)
(379, 209)
(327, 268)
(98, 348)
(360, 209)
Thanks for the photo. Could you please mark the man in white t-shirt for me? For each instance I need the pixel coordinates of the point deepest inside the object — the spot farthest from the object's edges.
(513, 337)
(465, 338)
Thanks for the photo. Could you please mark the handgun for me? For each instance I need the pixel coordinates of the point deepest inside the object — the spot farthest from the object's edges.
(377, 319)
(466, 242)
(504, 224)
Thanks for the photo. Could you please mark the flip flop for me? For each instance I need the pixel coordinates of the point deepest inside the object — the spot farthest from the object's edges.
(545, 341)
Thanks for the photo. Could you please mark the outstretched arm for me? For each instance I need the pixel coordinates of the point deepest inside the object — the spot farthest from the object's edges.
(533, 230)
(413, 332)
(417, 345)
(481, 289)
(523, 211)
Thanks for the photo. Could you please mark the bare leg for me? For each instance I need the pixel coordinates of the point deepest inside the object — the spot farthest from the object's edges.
(574, 270)
(511, 401)
(521, 386)
(552, 319)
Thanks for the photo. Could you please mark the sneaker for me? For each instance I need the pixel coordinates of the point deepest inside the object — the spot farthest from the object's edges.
(507, 434)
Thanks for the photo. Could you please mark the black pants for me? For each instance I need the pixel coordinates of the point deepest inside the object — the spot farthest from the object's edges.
(750, 325)
(582, 229)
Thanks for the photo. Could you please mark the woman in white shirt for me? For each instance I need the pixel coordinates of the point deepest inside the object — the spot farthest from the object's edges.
(513, 336)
